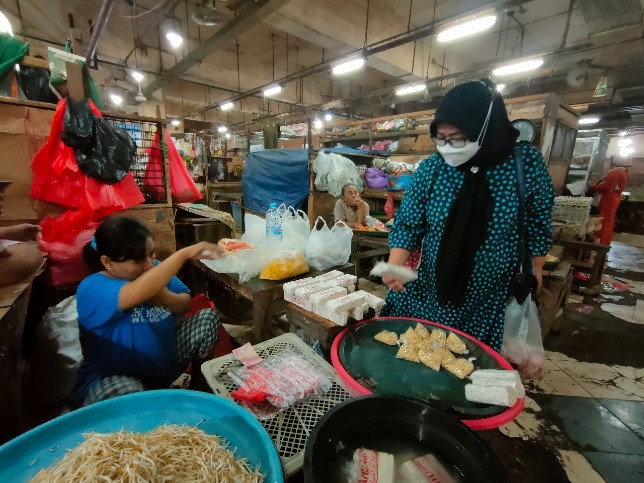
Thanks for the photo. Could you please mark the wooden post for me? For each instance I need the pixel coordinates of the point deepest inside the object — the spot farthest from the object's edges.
(75, 84)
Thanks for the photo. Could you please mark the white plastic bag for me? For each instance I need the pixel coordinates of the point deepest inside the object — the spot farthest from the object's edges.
(328, 248)
(245, 263)
(333, 172)
(254, 229)
(522, 345)
(295, 228)
(57, 354)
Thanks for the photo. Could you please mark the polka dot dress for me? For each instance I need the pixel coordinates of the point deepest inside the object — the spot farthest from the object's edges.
(421, 218)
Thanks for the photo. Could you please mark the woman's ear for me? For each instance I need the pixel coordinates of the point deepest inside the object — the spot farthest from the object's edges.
(107, 263)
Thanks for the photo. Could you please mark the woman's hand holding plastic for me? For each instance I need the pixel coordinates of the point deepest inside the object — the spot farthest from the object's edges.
(394, 284)
(206, 250)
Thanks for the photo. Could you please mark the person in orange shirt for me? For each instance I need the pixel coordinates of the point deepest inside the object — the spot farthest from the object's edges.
(611, 188)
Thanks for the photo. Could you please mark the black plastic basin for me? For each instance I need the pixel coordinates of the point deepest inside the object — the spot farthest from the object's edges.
(396, 425)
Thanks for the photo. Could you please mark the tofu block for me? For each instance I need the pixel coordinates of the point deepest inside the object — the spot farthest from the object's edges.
(358, 312)
(324, 296)
(290, 287)
(351, 288)
(300, 302)
(372, 467)
(499, 377)
(404, 274)
(426, 469)
(374, 302)
(338, 319)
(328, 276)
(347, 302)
(344, 281)
(499, 395)
(306, 292)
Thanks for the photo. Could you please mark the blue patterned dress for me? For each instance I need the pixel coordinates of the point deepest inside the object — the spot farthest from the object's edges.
(421, 218)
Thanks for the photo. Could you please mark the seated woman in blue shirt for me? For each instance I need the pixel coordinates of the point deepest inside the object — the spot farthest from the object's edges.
(133, 332)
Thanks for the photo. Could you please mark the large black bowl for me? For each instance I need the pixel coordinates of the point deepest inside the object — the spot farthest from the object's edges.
(393, 424)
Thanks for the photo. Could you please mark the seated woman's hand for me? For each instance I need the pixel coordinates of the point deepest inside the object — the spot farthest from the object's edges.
(206, 250)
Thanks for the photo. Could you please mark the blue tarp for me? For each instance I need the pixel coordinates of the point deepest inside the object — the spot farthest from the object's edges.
(276, 175)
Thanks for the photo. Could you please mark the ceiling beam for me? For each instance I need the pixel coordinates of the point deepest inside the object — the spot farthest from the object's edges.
(247, 17)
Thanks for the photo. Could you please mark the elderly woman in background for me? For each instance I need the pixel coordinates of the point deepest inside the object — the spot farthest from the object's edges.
(351, 208)
(463, 204)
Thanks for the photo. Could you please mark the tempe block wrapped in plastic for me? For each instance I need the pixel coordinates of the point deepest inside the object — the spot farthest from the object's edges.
(445, 355)
(461, 368)
(438, 339)
(285, 266)
(386, 337)
(371, 466)
(426, 469)
(455, 344)
(281, 379)
(431, 358)
(408, 352)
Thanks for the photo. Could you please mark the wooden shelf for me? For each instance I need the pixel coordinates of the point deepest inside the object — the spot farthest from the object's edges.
(365, 136)
(383, 194)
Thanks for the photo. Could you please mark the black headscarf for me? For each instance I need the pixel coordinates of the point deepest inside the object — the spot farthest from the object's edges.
(466, 228)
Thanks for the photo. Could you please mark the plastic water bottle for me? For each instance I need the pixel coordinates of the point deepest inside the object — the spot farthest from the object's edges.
(273, 224)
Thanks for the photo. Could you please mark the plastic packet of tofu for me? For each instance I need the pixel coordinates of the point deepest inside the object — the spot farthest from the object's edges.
(426, 469)
(404, 274)
(346, 303)
(371, 466)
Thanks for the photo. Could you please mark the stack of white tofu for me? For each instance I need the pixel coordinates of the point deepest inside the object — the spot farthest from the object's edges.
(333, 296)
(495, 386)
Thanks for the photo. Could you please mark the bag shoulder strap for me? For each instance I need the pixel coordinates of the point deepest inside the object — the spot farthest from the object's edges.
(521, 192)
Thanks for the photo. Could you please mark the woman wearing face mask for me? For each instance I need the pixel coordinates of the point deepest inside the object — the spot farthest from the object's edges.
(462, 204)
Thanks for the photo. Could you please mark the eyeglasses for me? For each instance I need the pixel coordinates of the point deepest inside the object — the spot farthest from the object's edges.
(455, 143)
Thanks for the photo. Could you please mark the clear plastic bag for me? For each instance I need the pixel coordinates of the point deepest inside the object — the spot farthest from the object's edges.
(254, 229)
(327, 248)
(333, 172)
(522, 345)
(282, 380)
(296, 228)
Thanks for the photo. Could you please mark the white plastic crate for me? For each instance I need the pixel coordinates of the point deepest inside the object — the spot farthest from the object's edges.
(291, 427)
(572, 211)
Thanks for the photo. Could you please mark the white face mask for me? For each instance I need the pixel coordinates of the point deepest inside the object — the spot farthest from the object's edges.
(458, 156)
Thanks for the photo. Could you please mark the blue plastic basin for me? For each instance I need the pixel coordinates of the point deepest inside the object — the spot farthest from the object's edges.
(24, 456)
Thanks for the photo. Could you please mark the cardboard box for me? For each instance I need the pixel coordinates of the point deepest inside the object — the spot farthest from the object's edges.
(406, 145)
(424, 143)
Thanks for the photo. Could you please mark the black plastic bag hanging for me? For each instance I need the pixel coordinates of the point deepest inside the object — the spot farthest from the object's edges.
(102, 150)
(35, 85)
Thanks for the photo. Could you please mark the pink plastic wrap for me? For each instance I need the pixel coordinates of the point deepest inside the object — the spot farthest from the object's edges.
(282, 380)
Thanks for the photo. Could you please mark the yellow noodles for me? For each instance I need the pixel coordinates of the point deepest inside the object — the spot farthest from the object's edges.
(166, 454)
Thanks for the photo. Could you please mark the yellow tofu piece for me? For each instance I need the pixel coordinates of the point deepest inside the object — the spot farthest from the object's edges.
(461, 368)
(410, 337)
(408, 353)
(430, 358)
(438, 338)
(422, 331)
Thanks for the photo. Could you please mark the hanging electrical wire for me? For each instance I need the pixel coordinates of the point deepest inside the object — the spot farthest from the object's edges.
(366, 28)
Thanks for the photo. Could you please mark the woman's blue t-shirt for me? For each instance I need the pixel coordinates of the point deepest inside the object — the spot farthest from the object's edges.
(136, 342)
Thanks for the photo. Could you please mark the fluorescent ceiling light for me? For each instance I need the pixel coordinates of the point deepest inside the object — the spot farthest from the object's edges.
(272, 90)
(116, 99)
(318, 124)
(5, 25)
(466, 28)
(349, 65)
(623, 133)
(137, 75)
(518, 67)
(328, 116)
(588, 120)
(623, 143)
(500, 87)
(175, 39)
(410, 89)
(626, 152)
(227, 136)
(175, 122)
(227, 106)
(222, 129)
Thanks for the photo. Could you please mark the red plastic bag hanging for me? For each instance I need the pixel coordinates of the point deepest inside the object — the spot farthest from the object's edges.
(153, 182)
(57, 178)
(182, 187)
(63, 238)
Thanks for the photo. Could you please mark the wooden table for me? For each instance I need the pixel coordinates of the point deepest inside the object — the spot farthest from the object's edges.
(377, 247)
(262, 293)
(575, 251)
(553, 296)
